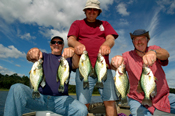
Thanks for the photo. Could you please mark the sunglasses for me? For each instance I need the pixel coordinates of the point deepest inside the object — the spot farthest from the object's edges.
(90, 9)
(58, 42)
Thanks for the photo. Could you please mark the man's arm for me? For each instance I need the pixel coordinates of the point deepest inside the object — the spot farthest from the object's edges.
(79, 47)
(150, 57)
(162, 54)
(105, 48)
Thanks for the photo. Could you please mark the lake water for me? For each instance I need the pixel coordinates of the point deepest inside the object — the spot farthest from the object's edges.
(3, 95)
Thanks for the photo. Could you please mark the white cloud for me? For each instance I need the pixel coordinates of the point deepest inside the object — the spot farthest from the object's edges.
(27, 36)
(57, 13)
(167, 6)
(121, 9)
(10, 52)
(8, 72)
(123, 22)
(5, 71)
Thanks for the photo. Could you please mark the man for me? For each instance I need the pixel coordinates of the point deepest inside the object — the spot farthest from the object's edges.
(154, 57)
(95, 37)
(20, 96)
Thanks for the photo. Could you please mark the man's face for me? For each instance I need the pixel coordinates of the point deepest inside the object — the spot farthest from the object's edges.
(140, 43)
(91, 14)
(56, 46)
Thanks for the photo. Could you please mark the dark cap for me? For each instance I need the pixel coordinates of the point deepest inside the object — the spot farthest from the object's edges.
(57, 37)
(140, 32)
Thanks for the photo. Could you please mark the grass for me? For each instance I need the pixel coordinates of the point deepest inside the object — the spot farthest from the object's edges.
(4, 89)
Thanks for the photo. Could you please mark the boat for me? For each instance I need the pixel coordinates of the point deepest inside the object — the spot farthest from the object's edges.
(98, 109)
(95, 109)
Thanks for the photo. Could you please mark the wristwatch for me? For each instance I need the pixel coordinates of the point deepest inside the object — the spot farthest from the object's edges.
(153, 50)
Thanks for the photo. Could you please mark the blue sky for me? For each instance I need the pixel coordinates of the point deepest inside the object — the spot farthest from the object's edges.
(25, 24)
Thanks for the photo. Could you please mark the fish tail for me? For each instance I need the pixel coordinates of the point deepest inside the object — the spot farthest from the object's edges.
(147, 101)
(124, 100)
(61, 89)
(99, 85)
(85, 85)
(81, 77)
(35, 94)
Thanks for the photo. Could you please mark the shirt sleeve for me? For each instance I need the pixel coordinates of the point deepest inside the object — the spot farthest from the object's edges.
(74, 29)
(109, 30)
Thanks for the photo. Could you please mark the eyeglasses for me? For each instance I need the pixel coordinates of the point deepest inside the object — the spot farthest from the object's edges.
(58, 42)
(90, 9)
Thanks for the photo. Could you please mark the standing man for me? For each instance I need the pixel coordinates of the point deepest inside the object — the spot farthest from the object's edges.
(20, 96)
(95, 37)
(154, 57)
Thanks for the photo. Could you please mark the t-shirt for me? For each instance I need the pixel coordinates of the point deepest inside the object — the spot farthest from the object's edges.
(50, 67)
(133, 63)
(92, 35)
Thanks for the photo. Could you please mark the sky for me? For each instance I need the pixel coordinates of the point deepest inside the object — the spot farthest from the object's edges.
(25, 24)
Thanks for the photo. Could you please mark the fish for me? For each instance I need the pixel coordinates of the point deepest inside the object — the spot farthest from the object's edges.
(63, 74)
(100, 70)
(147, 84)
(121, 83)
(36, 77)
(85, 68)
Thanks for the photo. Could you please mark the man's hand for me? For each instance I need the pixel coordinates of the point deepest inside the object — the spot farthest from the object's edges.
(104, 50)
(34, 55)
(68, 52)
(116, 61)
(149, 58)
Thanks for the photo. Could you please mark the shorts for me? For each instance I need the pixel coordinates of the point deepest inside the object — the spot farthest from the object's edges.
(107, 93)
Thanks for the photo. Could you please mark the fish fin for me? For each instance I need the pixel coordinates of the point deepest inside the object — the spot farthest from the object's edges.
(43, 82)
(124, 100)
(31, 86)
(93, 73)
(99, 85)
(105, 76)
(35, 94)
(114, 78)
(139, 88)
(118, 93)
(107, 66)
(147, 102)
(61, 88)
(85, 85)
(34, 71)
(81, 77)
(57, 78)
(155, 78)
(128, 88)
(154, 92)
(67, 81)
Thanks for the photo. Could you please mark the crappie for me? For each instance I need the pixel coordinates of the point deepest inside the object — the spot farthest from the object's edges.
(148, 85)
(85, 68)
(121, 83)
(63, 73)
(36, 77)
(101, 70)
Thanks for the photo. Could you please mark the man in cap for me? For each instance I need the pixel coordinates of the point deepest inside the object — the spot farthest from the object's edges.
(154, 57)
(95, 37)
(20, 96)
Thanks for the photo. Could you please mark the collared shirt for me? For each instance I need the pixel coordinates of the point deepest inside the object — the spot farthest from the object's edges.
(134, 63)
(92, 35)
